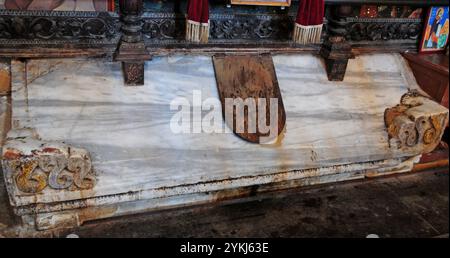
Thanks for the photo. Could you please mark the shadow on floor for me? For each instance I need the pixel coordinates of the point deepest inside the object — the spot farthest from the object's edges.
(414, 205)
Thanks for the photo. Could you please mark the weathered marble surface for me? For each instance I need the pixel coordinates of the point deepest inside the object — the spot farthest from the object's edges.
(5, 113)
(136, 156)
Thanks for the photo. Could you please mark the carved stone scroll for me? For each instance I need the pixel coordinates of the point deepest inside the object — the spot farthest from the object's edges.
(32, 165)
(416, 124)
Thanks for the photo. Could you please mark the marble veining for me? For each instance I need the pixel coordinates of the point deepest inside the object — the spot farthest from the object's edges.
(127, 129)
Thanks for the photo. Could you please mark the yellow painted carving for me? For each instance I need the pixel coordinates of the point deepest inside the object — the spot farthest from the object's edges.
(30, 179)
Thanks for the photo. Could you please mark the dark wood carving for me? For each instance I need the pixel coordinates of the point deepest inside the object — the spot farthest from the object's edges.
(132, 51)
(165, 29)
(134, 32)
(383, 29)
(243, 81)
(73, 25)
(251, 27)
(134, 73)
(336, 50)
(26, 29)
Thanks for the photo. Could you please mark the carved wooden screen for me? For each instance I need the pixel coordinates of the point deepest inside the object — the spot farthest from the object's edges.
(59, 5)
(263, 2)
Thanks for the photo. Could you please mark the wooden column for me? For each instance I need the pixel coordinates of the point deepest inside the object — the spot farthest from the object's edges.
(132, 51)
(336, 50)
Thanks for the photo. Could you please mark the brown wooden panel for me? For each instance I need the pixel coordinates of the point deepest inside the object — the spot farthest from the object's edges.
(253, 78)
(431, 72)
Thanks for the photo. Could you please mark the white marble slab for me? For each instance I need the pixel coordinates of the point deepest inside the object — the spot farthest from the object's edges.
(136, 156)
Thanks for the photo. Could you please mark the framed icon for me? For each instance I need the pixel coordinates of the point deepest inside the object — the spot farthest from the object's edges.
(435, 32)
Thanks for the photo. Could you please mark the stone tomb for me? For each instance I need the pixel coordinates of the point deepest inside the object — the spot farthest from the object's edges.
(83, 146)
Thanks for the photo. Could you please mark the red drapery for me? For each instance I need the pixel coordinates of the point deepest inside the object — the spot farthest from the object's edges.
(198, 11)
(310, 12)
(197, 24)
(309, 22)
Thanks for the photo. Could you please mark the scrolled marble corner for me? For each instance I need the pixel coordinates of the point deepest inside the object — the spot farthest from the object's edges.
(417, 124)
(32, 165)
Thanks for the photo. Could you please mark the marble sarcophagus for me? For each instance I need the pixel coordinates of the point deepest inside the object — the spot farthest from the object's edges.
(82, 146)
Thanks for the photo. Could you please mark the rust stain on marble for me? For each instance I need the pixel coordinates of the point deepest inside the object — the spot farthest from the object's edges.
(11, 154)
(96, 213)
(30, 182)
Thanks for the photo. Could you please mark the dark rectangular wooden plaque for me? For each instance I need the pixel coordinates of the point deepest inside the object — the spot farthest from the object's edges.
(250, 77)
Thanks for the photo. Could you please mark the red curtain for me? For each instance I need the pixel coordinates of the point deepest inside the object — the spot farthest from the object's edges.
(198, 11)
(310, 12)
(111, 5)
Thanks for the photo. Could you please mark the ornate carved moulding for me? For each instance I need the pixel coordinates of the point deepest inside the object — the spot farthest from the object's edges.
(416, 124)
(33, 166)
(137, 33)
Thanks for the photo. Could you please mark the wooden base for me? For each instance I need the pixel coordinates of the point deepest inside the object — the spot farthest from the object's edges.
(336, 69)
(336, 53)
(133, 73)
(133, 56)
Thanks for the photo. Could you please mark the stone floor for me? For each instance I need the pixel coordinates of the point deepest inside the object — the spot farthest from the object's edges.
(413, 205)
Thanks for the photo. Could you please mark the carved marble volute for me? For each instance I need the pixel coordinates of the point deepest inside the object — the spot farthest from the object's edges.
(416, 124)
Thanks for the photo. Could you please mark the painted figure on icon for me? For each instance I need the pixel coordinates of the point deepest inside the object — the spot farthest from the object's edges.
(436, 26)
(436, 30)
